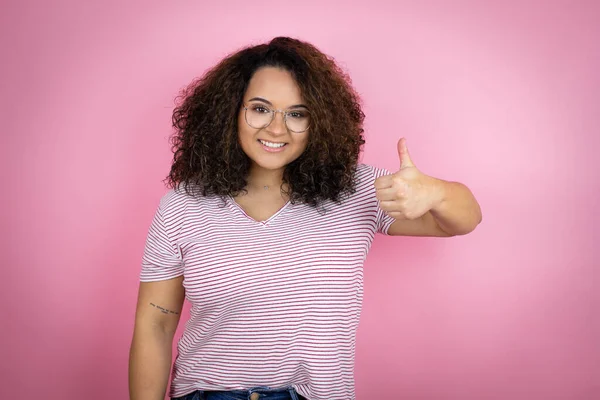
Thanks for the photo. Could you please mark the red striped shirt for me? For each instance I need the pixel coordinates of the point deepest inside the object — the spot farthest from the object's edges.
(274, 303)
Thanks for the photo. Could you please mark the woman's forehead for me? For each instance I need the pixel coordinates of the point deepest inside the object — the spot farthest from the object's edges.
(275, 85)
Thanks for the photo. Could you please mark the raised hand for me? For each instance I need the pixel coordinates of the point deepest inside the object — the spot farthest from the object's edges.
(408, 193)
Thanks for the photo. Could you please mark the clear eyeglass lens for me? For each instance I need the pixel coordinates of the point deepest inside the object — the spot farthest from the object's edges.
(259, 116)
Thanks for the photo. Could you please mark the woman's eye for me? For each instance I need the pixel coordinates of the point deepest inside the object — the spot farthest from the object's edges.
(260, 109)
(296, 114)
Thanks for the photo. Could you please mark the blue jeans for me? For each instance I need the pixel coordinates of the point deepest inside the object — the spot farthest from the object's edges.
(264, 392)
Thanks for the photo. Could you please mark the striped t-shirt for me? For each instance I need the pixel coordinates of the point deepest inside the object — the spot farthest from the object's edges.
(274, 303)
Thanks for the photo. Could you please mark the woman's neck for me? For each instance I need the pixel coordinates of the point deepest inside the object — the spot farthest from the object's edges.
(260, 179)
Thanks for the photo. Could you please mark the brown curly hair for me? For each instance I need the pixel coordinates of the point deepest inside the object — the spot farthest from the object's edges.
(208, 156)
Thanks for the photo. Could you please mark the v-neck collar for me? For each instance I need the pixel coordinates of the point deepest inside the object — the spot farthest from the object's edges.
(235, 206)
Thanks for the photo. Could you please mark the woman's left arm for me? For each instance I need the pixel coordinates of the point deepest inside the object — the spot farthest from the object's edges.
(457, 212)
(423, 205)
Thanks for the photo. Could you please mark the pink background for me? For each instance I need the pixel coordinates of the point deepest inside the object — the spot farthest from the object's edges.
(502, 96)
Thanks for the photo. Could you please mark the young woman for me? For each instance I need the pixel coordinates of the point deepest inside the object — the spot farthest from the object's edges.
(265, 229)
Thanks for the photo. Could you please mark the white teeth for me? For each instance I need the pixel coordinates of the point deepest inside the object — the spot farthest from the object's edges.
(272, 145)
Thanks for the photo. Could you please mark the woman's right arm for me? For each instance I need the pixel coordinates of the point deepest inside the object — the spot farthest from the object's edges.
(157, 316)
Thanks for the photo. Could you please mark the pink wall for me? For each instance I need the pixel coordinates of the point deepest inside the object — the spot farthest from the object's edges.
(502, 96)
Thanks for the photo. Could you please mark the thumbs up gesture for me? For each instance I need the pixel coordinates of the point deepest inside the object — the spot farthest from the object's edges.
(408, 193)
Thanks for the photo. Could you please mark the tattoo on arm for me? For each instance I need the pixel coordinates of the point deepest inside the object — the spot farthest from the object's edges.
(164, 310)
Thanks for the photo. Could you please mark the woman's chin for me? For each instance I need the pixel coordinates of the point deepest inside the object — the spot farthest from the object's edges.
(271, 165)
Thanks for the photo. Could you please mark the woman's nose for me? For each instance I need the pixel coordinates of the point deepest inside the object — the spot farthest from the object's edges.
(277, 125)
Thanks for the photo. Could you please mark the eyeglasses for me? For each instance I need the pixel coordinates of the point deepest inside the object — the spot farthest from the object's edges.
(259, 116)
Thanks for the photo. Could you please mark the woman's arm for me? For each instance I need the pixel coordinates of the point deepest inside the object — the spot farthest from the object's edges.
(423, 205)
(457, 212)
(157, 316)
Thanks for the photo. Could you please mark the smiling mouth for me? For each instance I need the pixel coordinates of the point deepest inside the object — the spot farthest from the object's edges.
(272, 145)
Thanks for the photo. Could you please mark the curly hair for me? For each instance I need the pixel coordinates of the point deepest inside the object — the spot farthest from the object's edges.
(208, 156)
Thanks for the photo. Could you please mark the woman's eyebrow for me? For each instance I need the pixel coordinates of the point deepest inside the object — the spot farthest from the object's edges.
(271, 104)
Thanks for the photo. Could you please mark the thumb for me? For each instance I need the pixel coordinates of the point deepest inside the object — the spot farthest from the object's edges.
(403, 155)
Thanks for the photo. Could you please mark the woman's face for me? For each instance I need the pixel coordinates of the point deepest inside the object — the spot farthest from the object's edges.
(274, 146)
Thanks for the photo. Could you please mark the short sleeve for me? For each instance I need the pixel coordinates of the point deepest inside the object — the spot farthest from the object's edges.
(384, 221)
(162, 257)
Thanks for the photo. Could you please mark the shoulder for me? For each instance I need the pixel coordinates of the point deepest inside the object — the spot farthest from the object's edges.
(171, 199)
(364, 181)
(178, 200)
(366, 174)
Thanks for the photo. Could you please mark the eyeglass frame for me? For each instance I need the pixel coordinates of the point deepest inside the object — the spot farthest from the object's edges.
(273, 112)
